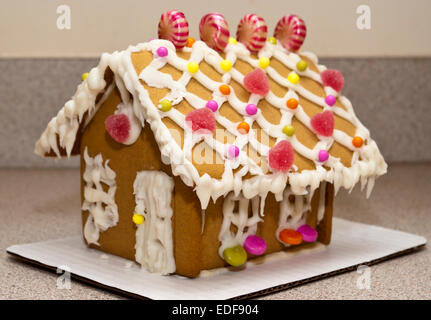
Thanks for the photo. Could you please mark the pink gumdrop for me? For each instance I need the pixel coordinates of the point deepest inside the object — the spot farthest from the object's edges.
(323, 155)
(118, 127)
(251, 109)
(333, 78)
(233, 152)
(255, 245)
(212, 105)
(201, 120)
(330, 100)
(257, 82)
(323, 123)
(309, 234)
(280, 156)
(162, 51)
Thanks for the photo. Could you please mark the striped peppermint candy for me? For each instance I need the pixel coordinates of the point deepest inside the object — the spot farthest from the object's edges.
(291, 32)
(174, 27)
(214, 31)
(252, 31)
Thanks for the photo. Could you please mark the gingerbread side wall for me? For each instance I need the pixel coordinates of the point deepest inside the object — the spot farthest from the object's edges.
(125, 161)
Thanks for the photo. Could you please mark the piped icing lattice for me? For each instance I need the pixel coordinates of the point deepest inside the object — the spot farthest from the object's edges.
(366, 162)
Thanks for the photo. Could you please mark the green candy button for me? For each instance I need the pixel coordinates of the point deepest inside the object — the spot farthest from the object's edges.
(301, 65)
(235, 256)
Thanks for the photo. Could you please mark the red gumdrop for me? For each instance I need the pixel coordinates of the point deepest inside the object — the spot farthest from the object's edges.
(118, 127)
(333, 78)
(201, 119)
(257, 82)
(281, 156)
(323, 123)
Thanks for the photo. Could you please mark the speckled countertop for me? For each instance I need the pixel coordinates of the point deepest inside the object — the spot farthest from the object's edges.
(38, 205)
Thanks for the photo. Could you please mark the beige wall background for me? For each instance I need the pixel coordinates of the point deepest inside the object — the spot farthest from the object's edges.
(28, 28)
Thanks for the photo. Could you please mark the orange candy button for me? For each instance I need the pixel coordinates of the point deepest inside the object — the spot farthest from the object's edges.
(357, 142)
(224, 89)
(243, 127)
(292, 103)
(290, 236)
(190, 42)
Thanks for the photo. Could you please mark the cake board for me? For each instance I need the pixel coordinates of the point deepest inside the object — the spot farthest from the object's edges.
(353, 244)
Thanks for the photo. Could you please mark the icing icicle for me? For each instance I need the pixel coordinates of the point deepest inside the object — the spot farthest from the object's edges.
(103, 211)
(154, 242)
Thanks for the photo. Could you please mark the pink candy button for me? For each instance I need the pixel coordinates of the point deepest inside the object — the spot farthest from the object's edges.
(212, 105)
(323, 155)
(251, 109)
(330, 100)
(233, 152)
(162, 51)
(309, 234)
(255, 245)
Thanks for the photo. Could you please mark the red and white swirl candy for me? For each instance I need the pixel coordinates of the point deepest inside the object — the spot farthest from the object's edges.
(214, 31)
(291, 32)
(174, 27)
(252, 31)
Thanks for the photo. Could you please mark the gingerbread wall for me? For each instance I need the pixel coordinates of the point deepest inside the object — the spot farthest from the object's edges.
(194, 250)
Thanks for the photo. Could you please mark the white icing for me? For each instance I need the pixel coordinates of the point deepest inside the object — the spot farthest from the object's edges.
(154, 243)
(367, 162)
(292, 213)
(245, 224)
(103, 211)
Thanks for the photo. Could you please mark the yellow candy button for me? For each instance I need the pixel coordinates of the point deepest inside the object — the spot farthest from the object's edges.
(84, 76)
(138, 218)
(272, 40)
(235, 256)
(226, 65)
(232, 40)
(293, 77)
(263, 62)
(193, 67)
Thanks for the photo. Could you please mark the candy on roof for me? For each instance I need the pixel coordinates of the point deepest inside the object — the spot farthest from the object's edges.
(262, 94)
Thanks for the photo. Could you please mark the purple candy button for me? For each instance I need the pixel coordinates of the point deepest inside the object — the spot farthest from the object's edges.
(212, 105)
(162, 52)
(255, 245)
(323, 155)
(251, 109)
(309, 234)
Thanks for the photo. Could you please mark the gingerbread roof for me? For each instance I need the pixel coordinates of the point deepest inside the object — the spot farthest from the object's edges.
(245, 149)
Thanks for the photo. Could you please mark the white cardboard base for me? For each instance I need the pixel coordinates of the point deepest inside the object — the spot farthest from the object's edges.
(352, 244)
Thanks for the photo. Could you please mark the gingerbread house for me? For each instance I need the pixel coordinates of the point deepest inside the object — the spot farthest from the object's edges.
(202, 154)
